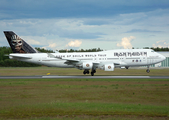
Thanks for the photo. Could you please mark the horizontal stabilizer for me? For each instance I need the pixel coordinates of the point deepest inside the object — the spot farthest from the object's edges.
(19, 56)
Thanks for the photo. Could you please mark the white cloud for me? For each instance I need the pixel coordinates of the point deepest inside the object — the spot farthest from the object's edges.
(44, 48)
(126, 42)
(94, 32)
(161, 44)
(33, 42)
(75, 43)
(52, 45)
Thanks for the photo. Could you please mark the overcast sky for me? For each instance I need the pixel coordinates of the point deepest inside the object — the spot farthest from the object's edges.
(85, 24)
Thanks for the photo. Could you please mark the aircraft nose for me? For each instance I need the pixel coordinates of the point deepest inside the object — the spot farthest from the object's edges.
(163, 57)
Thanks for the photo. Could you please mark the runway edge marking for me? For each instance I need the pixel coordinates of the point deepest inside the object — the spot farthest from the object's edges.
(96, 77)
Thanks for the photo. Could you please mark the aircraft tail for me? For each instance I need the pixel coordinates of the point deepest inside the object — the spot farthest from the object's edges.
(17, 44)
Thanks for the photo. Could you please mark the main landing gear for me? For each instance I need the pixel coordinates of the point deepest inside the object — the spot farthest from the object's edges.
(147, 69)
(87, 72)
(92, 73)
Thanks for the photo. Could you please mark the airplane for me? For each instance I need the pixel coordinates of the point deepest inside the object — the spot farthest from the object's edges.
(104, 60)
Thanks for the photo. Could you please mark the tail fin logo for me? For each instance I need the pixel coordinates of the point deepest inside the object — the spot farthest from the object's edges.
(16, 41)
(17, 44)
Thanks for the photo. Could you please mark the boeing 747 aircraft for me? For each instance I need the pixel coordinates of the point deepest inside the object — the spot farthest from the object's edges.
(105, 60)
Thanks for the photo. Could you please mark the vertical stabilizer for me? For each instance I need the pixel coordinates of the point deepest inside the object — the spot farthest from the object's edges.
(17, 44)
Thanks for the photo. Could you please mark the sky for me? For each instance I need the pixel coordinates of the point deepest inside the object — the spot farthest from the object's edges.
(87, 24)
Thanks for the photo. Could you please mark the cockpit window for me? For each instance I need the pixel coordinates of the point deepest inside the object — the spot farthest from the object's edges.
(152, 50)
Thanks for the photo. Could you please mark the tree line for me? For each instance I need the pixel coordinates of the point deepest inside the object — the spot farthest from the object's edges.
(160, 49)
(6, 62)
(81, 50)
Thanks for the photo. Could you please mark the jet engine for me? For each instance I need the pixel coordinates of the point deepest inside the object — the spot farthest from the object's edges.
(109, 67)
(87, 65)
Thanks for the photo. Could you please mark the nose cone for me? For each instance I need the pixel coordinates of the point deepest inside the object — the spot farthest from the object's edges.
(160, 57)
(163, 57)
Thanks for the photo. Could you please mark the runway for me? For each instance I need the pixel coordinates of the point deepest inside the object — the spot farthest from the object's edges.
(91, 77)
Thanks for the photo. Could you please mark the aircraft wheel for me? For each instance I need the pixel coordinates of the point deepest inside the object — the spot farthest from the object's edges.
(84, 72)
(127, 67)
(87, 72)
(92, 73)
(147, 70)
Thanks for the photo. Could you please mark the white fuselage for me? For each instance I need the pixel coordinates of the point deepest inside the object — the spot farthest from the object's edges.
(120, 58)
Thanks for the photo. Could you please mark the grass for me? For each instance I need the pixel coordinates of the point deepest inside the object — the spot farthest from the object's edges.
(89, 109)
(44, 99)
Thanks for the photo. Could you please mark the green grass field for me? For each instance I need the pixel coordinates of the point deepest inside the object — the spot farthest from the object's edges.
(117, 99)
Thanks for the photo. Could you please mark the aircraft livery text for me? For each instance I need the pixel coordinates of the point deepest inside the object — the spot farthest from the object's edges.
(130, 54)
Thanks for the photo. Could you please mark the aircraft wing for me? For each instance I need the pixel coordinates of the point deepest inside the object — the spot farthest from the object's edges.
(116, 63)
(69, 61)
(79, 63)
(105, 63)
(72, 60)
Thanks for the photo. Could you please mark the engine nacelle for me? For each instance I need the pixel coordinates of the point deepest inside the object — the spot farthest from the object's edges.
(87, 65)
(109, 67)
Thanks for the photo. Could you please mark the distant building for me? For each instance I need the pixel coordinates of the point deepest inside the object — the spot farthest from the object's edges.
(165, 63)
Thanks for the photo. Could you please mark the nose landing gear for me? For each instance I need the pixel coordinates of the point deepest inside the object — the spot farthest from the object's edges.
(147, 69)
(126, 67)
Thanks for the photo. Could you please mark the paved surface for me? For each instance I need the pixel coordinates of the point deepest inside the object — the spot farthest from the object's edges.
(56, 77)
